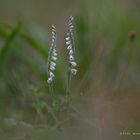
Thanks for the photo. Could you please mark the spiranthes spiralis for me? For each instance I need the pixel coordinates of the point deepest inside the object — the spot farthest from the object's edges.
(71, 51)
(52, 63)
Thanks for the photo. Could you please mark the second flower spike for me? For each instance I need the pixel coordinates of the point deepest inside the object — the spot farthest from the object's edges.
(52, 57)
(71, 47)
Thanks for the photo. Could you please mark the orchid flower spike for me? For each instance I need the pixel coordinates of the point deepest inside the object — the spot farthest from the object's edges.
(70, 46)
(52, 57)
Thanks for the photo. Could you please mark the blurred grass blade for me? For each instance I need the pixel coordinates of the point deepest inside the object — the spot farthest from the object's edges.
(30, 63)
(7, 45)
(3, 33)
(34, 44)
(28, 39)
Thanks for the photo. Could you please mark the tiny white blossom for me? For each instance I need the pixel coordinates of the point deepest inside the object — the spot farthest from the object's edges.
(54, 58)
(69, 47)
(71, 27)
(53, 33)
(54, 50)
(50, 80)
(71, 31)
(53, 37)
(73, 71)
(70, 52)
(70, 24)
(52, 68)
(68, 34)
(68, 42)
(67, 38)
(53, 29)
(53, 40)
(53, 26)
(51, 74)
(73, 64)
(52, 44)
(71, 18)
(54, 53)
(71, 58)
(53, 64)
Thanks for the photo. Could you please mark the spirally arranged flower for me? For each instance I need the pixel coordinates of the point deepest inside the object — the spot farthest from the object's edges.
(70, 46)
(52, 57)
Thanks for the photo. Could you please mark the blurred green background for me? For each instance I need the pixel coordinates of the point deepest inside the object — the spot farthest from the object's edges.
(105, 92)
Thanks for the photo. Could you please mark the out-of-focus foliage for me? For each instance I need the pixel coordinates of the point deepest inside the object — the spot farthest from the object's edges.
(108, 64)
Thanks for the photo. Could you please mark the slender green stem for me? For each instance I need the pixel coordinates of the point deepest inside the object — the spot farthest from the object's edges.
(51, 89)
(68, 87)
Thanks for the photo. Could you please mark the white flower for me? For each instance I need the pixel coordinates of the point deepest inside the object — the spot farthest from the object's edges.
(73, 71)
(53, 29)
(73, 64)
(68, 42)
(54, 50)
(53, 33)
(54, 53)
(54, 58)
(53, 26)
(53, 40)
(71, 58)
(70, 21)
(53, 64)
(50, 80)
(71, 18)
(51, 74)
(68, 34)
(70, 24)
(69, 47)
(67, 38)
(71, 27)
(52, 44)
(52, 68)
(71, 52)
(53, 37)
(71, 31)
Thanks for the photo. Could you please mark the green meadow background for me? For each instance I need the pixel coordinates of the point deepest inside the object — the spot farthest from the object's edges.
(106, 90)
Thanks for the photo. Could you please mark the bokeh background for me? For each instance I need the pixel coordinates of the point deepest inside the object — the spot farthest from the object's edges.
(105, 92)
